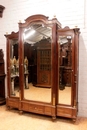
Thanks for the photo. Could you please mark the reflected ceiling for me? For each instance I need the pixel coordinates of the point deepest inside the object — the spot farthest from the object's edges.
(36, 33)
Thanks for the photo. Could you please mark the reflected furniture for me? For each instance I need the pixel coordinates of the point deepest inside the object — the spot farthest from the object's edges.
(52, 68)
(44, 64)
(68, 51)
(2, 78)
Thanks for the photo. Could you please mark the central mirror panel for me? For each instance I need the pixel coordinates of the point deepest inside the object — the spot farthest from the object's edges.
(37, 62)
(65, 69)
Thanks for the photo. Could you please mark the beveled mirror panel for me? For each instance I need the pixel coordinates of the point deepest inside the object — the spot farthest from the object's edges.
(37, 62)
(14, 68)
(65, 69)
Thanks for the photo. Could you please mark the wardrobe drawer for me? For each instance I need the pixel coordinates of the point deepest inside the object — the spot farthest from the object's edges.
(36, 108)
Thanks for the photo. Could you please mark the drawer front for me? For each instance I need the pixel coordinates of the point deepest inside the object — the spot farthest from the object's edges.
(13, 103)
(33, 108)
(36, 108)
(64, 112)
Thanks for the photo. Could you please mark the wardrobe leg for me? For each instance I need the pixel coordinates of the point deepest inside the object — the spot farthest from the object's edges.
(53, 118)
(20, 112)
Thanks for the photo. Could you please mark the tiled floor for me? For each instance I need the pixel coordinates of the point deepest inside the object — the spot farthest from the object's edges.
(12, 120)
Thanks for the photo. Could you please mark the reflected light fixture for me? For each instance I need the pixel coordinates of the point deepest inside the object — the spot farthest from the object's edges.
(27, 35)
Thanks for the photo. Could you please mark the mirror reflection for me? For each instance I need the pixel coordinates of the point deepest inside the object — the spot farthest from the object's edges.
(37, 62)
(65, 69)
(14, 68)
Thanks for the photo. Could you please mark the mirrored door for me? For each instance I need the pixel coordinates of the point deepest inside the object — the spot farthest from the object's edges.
(37, 62)
(65, 63)
(14, 68)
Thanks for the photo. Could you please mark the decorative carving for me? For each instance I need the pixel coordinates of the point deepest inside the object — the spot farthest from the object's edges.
(66, 27)
(1, 10)
(77, 31)
(44, 78)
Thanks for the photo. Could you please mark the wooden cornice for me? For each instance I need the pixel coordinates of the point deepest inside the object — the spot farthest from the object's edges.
(1, 10)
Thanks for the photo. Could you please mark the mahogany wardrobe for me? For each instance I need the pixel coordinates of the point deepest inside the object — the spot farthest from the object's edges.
(42, 68)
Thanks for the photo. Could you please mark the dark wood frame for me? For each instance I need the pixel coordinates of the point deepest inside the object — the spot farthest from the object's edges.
(53, 109)
(27, 105)
(63, 110)
(10, 101)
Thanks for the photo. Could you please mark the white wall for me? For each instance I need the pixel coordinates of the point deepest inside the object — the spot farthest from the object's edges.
(69, 12)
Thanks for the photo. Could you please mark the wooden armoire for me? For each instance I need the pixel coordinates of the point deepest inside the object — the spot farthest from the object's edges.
(50, 71)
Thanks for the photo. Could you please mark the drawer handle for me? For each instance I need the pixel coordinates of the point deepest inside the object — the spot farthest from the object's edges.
(35, 108)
